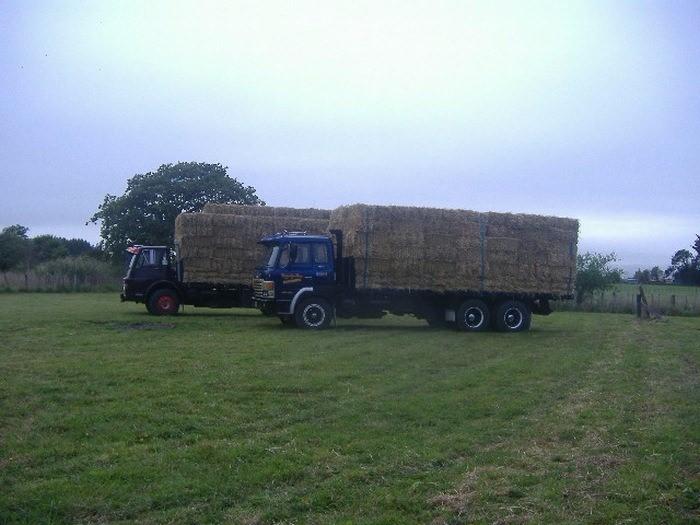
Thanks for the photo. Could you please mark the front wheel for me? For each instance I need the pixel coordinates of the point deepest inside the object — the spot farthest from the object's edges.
(473, 316)
(314, 313)
(163, 302)
(512, 316)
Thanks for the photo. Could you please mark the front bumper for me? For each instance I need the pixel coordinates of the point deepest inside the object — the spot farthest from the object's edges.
(265, 305)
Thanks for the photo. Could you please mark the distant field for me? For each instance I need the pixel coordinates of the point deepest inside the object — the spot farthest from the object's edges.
(110, 415)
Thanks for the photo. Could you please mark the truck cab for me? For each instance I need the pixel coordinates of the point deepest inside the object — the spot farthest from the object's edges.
(149, 267)
(296, 280)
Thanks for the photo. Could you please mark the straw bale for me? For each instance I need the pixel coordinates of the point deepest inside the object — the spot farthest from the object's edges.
(451, 250)
(222, 247)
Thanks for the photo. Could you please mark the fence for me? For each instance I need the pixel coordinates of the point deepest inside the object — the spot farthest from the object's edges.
(668, 300)
(38, 282)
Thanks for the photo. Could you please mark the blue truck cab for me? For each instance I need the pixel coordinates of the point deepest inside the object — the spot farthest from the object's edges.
(296, 279)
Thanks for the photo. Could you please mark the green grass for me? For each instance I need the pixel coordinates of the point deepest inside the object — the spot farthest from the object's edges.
(226, 416)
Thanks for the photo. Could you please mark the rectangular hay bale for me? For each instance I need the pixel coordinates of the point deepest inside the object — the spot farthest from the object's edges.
(401, 247)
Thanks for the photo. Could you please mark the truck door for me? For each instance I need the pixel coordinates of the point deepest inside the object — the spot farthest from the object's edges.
(295, 263)
(322, 266)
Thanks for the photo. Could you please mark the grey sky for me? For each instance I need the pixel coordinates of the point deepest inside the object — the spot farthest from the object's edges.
(582, 109)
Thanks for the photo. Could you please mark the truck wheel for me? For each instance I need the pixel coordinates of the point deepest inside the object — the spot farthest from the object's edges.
(314, 314)
(512, 316)
(163, 302)
(473, 316)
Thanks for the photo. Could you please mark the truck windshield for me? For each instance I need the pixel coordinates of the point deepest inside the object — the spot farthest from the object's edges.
(270, 257)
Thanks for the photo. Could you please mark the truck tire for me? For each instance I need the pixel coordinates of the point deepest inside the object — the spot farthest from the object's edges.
(314, 313)
(473, 316)
(163, 302)
(512, 316)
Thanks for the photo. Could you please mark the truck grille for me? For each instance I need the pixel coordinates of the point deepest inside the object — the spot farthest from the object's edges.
(258, 286)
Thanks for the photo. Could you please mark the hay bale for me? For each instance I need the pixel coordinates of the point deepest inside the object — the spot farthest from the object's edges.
(458, 250)
(222, 247)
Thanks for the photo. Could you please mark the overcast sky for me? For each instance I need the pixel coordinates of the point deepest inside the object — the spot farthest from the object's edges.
(581, 109)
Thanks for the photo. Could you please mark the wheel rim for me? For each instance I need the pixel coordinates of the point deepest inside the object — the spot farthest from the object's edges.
(166, 303)
(314, 315)
(513, 318)
(473, 317)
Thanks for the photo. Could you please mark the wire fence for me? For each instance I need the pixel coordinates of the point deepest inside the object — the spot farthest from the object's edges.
(667, 300)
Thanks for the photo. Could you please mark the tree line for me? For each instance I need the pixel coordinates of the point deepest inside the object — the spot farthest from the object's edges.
(684, 268)
(18, 250)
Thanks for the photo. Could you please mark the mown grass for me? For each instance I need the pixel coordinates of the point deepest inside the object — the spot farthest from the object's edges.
(226, 416)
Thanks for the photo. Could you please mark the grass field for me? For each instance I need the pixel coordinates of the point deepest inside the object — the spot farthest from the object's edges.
(226, 416)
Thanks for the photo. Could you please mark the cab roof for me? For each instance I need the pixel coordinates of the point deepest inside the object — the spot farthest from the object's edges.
(293, 236)
(136, 248)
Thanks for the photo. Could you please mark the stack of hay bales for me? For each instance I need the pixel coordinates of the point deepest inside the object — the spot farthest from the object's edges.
(411, 248)
(220, 244)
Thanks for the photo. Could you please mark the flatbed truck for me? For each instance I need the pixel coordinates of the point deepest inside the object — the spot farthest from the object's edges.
(154, 278)
(306, 281)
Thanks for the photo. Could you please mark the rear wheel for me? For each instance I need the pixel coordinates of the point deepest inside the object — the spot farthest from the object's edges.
(473, 316)
(163, 302)
(313, 313)
(512, 316)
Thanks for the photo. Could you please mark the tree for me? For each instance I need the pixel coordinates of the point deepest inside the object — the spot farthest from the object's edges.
(146, 213)
(18, 230)
(682, 258)
(13, 248)
(685, 267)
(642, 276)
(593, 272)
(655, 274)
(77, 247)
(47, 247)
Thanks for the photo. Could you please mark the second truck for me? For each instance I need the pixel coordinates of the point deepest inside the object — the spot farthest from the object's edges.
(476, 270)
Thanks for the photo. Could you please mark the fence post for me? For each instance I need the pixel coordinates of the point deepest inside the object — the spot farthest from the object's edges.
(639, 305)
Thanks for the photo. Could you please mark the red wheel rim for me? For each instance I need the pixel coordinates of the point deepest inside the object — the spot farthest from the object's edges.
(166, 303)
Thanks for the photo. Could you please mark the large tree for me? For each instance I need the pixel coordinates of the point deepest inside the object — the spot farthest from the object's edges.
(146, 213)
(685, 267)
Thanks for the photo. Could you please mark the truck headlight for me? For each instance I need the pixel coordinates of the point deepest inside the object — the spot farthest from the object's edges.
(264, 289)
